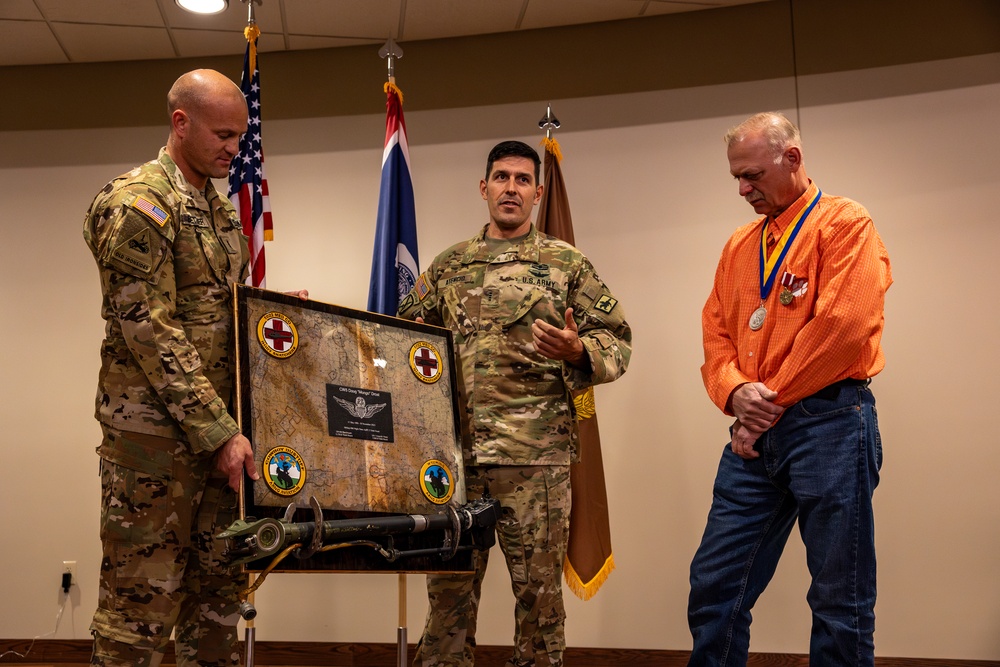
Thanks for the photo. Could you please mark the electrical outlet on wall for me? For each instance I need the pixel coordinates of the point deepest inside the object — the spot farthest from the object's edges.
(68, 577)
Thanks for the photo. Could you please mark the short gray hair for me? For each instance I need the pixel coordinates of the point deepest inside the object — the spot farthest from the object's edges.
(779, 132)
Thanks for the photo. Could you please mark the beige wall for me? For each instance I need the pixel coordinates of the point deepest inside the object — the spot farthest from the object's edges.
(653, 204)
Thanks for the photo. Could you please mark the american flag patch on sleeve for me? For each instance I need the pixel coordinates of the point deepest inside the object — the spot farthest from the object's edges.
(152, 211)
(421, 286)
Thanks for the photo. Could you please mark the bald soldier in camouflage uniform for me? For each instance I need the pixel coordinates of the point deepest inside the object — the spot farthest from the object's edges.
(169, 248)
(532, 322)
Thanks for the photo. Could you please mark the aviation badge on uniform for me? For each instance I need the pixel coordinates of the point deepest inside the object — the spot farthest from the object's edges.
(277, 335)
(284, 471)
(436, 482)
(425, 362)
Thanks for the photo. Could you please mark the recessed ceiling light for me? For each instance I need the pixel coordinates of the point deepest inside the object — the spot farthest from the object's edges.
(203, 6)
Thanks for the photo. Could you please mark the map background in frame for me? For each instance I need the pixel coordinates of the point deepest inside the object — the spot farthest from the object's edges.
(285, 402)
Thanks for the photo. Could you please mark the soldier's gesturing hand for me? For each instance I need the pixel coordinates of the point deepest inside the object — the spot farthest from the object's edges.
(562, 344)
(235, 455)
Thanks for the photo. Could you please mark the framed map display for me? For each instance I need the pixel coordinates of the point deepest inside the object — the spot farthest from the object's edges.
(356, 410)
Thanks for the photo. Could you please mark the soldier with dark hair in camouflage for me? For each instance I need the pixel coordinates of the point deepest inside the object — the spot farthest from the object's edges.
(169, 248)
(532, 322)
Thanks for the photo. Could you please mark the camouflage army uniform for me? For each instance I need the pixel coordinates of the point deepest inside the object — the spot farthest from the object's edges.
(168, 256)
(521, 420)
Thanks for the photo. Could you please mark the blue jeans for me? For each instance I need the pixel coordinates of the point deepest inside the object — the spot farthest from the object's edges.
(820, 464)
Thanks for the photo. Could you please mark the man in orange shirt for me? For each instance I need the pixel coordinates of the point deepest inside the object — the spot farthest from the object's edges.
(792, 335)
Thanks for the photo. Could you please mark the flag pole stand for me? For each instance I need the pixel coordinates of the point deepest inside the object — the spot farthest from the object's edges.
(249, 613)
(401, 646)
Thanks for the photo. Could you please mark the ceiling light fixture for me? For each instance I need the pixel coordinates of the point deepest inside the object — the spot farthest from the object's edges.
(203, 6)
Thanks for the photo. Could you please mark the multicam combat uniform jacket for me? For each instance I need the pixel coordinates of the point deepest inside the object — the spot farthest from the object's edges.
(168, 256)
(518, 402)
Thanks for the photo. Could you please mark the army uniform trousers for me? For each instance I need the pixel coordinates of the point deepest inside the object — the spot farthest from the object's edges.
(161, 572)
(533, 531)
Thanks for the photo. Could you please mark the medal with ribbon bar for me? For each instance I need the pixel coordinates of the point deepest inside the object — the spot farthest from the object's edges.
(769, 264)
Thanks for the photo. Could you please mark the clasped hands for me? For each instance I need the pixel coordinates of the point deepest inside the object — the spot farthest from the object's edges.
(755, 410)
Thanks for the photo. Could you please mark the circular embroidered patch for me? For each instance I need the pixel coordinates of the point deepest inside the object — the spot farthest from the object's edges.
(277, 335)
(425, 361)
(436, 482)
(284, 471)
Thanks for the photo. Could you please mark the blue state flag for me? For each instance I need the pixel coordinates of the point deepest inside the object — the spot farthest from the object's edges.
(394, 260)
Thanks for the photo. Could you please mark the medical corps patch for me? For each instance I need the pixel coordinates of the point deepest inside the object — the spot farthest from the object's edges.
(425, 362)
(277, 335)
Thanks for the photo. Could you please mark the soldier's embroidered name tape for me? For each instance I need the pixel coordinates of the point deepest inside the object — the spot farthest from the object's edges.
(152, 211)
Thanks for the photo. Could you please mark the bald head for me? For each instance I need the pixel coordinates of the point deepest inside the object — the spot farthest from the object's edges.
(208, 114)
(194, 90)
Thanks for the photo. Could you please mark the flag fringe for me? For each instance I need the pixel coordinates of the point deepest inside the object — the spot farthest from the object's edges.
(552, 146)
(252, 32)
(389, 85)
(587, 590)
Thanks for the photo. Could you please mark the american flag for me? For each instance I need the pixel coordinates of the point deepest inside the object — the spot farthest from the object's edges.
(394, 260)
(247, 183)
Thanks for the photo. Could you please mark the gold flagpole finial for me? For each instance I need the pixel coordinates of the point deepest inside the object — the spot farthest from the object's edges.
(391, 51)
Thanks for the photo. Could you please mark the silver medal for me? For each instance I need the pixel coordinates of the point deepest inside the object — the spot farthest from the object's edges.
(757, 319)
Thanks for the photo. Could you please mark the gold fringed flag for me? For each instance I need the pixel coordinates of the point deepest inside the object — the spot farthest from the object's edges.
(247, 182)
(589, 560)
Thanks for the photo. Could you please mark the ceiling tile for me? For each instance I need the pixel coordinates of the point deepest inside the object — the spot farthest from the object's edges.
(19, 9)
(267, 16)
(96, 43)
(372, 19)
(548, 13)
(309, 42)
(657, 7)
(431, 19)
(28, 43)
(200, 43)
(285, 24)
(113, 12)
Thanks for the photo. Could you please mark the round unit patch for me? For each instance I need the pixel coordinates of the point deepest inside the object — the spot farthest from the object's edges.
(277, 335)
(436, 482)
(425, 361)
(284, 471)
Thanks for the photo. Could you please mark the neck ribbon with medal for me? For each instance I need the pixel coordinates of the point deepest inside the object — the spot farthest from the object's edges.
(769, 265)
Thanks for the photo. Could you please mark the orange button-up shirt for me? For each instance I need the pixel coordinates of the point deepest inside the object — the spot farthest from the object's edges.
(838, 272)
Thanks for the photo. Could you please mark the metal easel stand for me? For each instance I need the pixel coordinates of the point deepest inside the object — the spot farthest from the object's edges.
(249, 613)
